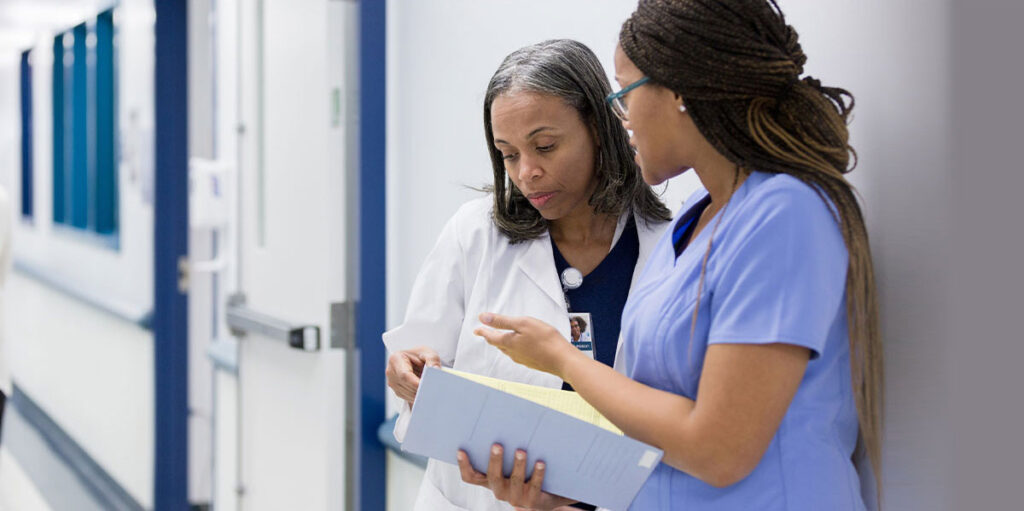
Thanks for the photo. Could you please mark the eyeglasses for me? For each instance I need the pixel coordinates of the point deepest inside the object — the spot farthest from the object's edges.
(615, 99)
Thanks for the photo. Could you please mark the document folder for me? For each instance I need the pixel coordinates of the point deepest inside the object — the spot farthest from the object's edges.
(587, 459)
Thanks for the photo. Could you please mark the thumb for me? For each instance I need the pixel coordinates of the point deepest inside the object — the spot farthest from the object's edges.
(500, 322)
(430, 358)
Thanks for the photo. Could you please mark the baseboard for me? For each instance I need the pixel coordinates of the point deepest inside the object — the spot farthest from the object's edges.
(103, 488)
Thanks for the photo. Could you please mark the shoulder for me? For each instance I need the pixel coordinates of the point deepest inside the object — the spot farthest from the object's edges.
(473, 215)
(473, 224)
(778, 210)
(783, 198)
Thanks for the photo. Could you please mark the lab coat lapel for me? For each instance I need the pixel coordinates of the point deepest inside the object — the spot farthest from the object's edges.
(537, 261)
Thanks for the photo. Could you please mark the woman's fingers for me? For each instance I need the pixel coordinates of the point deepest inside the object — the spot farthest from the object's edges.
(516, 486)
(495, 338)
(428, 357)
(502, 322)
(469, 475)
(533, 488)
(495, 477)
(403, 371)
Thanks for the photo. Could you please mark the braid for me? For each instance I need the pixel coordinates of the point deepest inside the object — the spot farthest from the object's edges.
(736, 64)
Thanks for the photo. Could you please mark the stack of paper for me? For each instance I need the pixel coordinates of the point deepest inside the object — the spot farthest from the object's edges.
(588, 459)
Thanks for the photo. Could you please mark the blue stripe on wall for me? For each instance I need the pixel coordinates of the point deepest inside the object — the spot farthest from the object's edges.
(80, 131)
(106, 176)
(171, 243)
(372, 229)
(26, 135)
(58, 130)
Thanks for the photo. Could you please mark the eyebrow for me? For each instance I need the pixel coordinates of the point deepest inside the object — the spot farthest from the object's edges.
(530, 135)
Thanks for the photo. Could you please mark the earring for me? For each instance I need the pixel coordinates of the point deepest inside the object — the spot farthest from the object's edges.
(682, 108)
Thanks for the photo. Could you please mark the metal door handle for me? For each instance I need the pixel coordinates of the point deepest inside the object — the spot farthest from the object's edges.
(243, 321)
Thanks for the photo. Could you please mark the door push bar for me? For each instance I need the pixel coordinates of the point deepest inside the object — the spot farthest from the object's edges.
(243, 321)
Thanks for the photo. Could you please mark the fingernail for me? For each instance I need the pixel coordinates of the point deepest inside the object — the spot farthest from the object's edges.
(540, 465)
(486, 318)
(495, 449)
(461, 456)
(520, 455)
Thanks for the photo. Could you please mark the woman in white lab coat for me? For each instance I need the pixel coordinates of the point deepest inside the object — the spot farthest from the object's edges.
(565, 228)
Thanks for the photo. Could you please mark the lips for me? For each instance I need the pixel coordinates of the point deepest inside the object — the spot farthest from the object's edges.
(540, 198)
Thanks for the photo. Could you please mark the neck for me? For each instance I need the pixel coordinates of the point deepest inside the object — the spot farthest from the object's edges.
(584, 227)
(720, 177)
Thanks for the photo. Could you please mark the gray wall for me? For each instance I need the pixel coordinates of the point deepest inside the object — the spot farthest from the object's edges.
(983, 376)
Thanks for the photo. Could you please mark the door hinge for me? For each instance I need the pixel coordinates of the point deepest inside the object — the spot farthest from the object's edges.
(183, 274)
(343, 325)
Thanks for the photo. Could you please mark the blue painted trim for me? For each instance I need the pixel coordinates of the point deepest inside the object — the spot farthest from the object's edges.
(100, 485)
(26, 135)
(372, 250)
(386, 435)
(170, 318)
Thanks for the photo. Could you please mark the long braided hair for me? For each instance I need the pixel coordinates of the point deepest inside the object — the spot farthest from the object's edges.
(737, 65)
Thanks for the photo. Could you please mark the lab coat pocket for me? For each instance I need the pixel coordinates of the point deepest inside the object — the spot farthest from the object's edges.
(430, 498)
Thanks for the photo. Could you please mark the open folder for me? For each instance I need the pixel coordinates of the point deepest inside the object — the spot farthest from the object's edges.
(588, 459)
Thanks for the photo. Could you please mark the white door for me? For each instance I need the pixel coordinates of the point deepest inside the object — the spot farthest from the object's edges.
(291, 253)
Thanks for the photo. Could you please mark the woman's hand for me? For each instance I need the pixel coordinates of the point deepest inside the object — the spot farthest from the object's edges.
(515, 489)
(530, 342)
(405, 369)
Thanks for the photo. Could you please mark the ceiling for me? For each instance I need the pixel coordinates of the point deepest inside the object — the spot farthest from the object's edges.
(22, 21)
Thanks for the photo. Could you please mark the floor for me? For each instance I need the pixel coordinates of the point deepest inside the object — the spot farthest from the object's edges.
(17, 493)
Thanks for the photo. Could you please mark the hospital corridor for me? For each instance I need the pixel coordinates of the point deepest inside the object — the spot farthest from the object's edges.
(237, 235)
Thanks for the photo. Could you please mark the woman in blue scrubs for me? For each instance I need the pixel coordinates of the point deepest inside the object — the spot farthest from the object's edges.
(751, 339)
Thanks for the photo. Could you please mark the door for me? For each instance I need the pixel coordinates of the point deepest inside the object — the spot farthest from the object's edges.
(292, 255)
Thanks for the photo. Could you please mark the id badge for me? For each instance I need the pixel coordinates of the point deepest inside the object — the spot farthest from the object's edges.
(581, 332)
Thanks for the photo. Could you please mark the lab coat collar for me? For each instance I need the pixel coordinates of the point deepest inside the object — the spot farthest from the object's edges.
(537, 261)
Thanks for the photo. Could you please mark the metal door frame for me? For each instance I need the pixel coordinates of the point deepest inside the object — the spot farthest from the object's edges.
(170, 244)
(370, 312)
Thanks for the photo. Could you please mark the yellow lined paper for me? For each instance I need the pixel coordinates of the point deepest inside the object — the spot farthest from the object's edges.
(567, 402)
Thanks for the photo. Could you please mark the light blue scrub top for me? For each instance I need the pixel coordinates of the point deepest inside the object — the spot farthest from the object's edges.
(776, 274)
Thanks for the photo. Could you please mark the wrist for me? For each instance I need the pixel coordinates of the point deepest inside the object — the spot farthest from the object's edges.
(570, 362)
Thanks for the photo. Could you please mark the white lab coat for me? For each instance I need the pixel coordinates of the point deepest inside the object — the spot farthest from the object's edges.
(474, 269)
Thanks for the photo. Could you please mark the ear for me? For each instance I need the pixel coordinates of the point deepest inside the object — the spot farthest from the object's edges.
(678, 101)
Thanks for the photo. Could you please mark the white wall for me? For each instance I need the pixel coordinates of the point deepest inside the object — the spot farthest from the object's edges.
(92, 373)
(90, 370)
(121, 278)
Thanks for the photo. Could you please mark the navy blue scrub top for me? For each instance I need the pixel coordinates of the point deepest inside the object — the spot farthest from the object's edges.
(604, 291)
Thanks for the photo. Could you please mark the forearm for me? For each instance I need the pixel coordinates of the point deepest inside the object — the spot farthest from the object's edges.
(659, 418)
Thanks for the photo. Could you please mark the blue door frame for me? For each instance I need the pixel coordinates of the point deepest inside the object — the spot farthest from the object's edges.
(370, 319)
(170, 311)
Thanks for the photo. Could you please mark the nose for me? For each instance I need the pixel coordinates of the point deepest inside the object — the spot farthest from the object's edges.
(529, 169)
